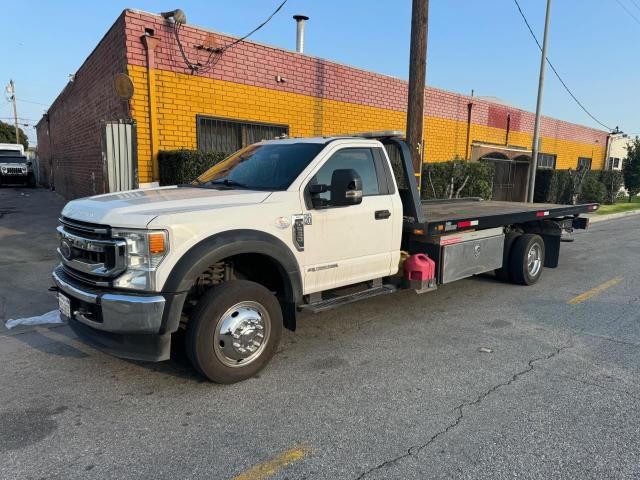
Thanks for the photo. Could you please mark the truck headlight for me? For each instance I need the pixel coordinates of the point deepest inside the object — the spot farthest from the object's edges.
(144, 252)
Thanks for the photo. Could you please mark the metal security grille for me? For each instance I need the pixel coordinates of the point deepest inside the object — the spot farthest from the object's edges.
(119, 156)
(227, 136)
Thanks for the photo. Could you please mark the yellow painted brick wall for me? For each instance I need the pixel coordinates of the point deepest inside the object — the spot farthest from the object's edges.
(181, 97)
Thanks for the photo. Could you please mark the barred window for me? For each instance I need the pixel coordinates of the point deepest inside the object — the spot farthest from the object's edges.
(228, 136)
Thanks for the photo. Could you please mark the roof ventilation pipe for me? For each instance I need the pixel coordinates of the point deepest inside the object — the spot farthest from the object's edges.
(300, 19)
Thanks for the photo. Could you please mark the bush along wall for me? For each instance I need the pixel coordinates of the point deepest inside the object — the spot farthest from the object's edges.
(571, 186)
(457, 179)
(184, 166)
(612, 181)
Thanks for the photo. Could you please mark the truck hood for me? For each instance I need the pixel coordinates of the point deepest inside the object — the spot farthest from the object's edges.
(136, 208)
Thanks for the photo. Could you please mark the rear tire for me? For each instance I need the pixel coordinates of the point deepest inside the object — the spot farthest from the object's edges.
(526, 259)
(234, 331)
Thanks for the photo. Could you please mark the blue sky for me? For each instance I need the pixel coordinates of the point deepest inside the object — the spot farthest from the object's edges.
(479, 45)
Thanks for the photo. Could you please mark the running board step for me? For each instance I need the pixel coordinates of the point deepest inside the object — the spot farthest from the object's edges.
(335, 302)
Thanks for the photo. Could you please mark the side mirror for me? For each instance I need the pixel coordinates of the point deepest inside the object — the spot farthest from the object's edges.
(346, 188)
(318, 188)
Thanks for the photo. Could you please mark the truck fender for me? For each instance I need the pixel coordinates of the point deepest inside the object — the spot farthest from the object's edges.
(227, 244)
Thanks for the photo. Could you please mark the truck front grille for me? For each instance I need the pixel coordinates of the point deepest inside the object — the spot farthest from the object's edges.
(88, 253)
(15, 171)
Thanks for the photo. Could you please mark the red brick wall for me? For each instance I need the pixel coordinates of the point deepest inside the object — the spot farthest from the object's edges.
(73, 146)
(255, 64)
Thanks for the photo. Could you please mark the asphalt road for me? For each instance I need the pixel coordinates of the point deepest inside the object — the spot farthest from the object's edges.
(393, 387)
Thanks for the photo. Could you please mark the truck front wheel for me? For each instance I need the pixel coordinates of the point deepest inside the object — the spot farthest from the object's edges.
(526, 259)
(234, 331)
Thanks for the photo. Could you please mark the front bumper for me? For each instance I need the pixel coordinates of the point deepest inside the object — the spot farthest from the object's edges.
(124, 325)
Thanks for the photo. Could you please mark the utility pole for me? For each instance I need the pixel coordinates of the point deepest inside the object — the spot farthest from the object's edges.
(536, 127)
(417, 76)
(11, 90)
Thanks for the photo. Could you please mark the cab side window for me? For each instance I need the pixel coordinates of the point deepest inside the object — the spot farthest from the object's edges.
(359, 159)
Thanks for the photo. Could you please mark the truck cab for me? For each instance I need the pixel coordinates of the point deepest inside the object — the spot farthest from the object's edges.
(279, 226)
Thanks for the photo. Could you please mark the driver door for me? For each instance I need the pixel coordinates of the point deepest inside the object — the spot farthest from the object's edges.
(349, 244)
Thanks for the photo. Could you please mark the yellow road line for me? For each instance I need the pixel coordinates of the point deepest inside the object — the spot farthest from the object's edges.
(594, 291)
(273, 466)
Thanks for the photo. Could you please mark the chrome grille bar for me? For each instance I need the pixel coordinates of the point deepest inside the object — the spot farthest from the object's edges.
(83, 226)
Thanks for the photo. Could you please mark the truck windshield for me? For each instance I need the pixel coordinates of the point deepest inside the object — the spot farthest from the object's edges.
(261, 166)
(12, 159)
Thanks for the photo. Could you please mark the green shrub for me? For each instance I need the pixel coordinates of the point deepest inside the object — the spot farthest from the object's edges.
(457, 179)
(184, 166)
(593, 190)
(565, 186)
(553, 186)
(546, 186)
(612, 180)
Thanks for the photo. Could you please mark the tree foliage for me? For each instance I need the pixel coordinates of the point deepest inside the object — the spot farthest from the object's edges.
(631, 168)
(8, 134)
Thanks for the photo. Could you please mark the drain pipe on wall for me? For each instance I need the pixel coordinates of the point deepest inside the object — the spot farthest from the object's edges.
(506, 138)
(469, 108)
(150, 43)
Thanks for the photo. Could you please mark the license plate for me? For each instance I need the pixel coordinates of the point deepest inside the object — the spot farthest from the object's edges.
(64, 305)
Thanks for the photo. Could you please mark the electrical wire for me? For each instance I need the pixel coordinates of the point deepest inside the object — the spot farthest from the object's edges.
(217, 52)
(556, 72)
(235, 42)
(629, 11)
(636, 4)
(31, 101)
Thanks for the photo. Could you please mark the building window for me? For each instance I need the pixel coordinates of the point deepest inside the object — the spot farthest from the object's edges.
(546, 160)
(584, 162)
(228, 136)
(614, 163)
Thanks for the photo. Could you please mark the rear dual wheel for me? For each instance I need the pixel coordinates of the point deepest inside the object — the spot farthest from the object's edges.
(525, 261)
(234, 331)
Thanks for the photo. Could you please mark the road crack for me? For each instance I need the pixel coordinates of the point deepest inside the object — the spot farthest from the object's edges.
(460, 411)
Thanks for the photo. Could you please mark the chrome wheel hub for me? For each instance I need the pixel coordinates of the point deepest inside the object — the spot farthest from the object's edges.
(242, 334)
(534, 260)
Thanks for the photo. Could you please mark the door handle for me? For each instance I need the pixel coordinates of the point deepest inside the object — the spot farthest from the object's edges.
(382, 214)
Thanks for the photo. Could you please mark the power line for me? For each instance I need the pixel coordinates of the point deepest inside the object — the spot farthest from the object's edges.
(556, 72)
(636, 4)
(31, 101)
(19, 118)
(211, 61)
(629, 11)
(235, 42)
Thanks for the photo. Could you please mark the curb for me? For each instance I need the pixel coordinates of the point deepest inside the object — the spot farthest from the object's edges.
(594, 218)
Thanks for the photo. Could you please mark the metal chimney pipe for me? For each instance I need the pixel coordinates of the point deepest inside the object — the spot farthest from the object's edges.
(300, 19)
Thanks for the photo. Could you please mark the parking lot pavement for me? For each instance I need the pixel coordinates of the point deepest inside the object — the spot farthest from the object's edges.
(28, 220)
(394, 387)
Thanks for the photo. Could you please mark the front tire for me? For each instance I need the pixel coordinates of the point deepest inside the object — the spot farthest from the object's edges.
(526, 259)
(234, 331)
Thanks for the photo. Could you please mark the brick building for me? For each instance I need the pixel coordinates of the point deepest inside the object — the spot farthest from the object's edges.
(256, 91)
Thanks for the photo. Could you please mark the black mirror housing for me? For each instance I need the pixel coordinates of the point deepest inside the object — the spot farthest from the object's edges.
(317, 188)
(346, 188)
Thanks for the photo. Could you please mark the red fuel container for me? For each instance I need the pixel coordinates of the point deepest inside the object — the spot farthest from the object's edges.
(420, 271)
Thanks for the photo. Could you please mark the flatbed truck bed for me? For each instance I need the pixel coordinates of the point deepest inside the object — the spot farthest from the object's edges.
(443, 216)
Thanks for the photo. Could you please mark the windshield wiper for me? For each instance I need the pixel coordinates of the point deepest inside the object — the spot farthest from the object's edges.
(228, 183)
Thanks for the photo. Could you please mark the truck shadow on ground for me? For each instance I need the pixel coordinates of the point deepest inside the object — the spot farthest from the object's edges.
(45, 344)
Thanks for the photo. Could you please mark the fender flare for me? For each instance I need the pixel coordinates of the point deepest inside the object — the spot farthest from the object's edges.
(226, 244)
